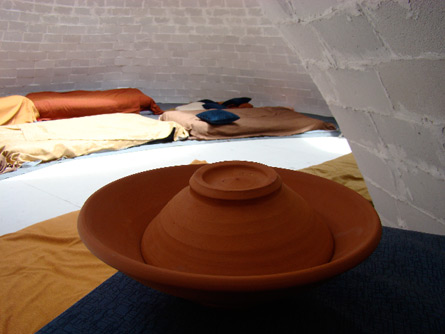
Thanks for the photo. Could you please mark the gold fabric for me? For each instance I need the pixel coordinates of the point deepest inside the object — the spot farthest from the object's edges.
(17, 109)
(343, 170)
(44, 269)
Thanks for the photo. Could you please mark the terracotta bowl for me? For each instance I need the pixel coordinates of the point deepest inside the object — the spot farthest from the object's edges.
(229, 234)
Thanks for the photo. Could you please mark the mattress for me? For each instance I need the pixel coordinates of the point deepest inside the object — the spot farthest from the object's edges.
(252, 122)
(68, 138)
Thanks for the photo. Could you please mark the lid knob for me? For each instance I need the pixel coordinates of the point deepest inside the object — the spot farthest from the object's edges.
(235, 180)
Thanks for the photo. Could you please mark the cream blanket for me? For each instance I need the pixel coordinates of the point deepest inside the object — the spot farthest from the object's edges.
(68, 138)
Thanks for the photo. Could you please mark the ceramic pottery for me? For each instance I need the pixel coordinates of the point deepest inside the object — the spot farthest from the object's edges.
(229, 234)
(237, 218)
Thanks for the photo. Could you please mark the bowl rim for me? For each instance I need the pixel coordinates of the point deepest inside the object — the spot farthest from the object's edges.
(167, 277)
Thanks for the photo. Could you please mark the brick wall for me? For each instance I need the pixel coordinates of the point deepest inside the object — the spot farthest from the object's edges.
(175, 51)
(380, 65)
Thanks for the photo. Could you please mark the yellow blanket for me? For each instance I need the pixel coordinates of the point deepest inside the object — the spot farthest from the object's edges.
(45, 268)
(17, 109)
(68, 138)
(343, 170)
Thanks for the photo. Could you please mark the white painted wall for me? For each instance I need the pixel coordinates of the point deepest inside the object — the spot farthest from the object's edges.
(174, 51)
(380, 65)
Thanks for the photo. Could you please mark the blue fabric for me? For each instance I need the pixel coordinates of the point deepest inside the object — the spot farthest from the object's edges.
(217, 117)
(212, 105)
(207, 101)
(400, 288)
(236, 101)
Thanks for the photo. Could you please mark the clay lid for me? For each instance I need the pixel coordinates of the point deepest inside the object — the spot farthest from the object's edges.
(237, 218)
(235, 180)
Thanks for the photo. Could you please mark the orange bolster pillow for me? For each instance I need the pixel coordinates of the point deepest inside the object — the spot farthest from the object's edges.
(55, 105)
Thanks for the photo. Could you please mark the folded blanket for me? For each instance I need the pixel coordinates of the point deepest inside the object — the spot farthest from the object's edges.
(68, 138)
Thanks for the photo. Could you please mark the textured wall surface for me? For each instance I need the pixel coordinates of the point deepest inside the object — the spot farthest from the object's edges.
(380, 65)
(174, 51)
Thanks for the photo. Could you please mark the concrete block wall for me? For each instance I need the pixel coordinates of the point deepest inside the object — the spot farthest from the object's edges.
(174, 51)
(380, 65)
